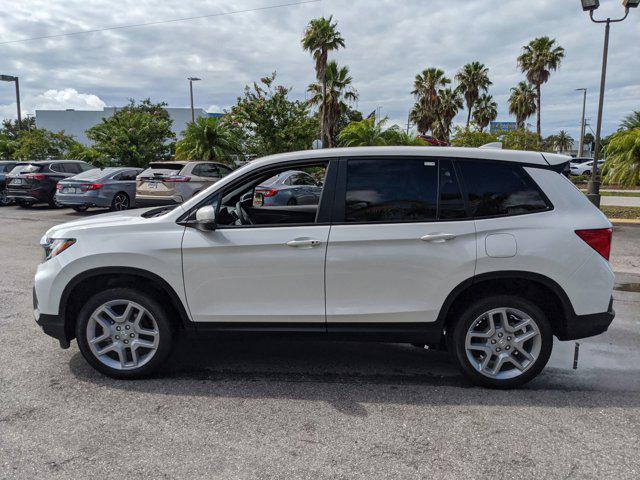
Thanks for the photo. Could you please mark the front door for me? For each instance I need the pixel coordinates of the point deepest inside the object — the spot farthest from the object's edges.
(403, 243)
(261, 264)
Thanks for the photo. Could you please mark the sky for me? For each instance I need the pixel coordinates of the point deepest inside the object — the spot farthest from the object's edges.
(387, 44)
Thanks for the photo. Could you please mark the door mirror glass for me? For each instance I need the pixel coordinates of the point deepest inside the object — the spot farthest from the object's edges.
(206, 217)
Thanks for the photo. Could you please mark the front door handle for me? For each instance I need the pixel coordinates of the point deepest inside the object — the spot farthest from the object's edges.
(437, 237)
(303, 243)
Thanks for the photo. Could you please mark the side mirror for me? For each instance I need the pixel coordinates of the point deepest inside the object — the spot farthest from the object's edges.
(206, 218)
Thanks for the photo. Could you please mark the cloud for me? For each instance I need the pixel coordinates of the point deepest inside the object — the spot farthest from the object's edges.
(388, 43)
(53, 100)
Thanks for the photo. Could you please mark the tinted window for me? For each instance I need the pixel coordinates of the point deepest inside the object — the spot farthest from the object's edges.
(126, 176)
(85, 167)
(393, 190)
(500, 189)
(57, 167)
(93, 174)
(72, 167)
(18, 169)
(451, 201)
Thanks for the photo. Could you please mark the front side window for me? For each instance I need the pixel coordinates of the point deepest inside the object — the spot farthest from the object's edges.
(496, 189)
(391, 190)
(268, 200)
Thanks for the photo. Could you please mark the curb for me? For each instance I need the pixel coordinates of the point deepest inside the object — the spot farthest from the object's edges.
(625, 221)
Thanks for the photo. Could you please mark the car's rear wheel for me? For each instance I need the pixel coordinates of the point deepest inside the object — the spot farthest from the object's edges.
(124, 333)
(502, 341)
(54, 203)
(120, 202)
(292, 201)
(4, 200)
(80, 208)
(24, 204)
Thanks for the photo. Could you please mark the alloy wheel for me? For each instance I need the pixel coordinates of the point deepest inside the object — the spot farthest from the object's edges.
(122, 334)
(120, 202)
(503, 343)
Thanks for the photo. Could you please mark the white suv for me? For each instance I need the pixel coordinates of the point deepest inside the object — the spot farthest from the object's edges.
(488, 253)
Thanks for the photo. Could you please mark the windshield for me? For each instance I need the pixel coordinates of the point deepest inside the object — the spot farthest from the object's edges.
(28, 168)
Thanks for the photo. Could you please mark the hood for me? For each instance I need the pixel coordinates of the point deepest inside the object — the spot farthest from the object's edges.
(114, 219)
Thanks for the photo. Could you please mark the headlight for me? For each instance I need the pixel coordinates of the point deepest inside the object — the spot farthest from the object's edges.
(55, 246)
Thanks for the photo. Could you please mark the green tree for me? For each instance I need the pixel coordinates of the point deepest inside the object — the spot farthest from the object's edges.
(320, 37)
(268, 122)
(337, 93)
(537, 60)
(135, 135)
(89, 155)
(465, 137)
(589, 139)
(369, 133)
(622, 153)
(12, 129)
(522, 102)
(426, 87)
(631, 121)
(41, 144)
(208, 139)
(472, 79)
(485, 111)
(563, 141)
(450, 102)
(521, 139)
(348, 116)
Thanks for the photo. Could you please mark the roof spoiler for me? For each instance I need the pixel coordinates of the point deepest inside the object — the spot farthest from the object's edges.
(492, 145)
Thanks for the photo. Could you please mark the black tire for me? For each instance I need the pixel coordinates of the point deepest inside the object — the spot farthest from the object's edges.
(457, 336)
(80, 208)
(120, 202)
(166, 332)
(53, 203)
(22, 204)
(4, 201)
(292, 201)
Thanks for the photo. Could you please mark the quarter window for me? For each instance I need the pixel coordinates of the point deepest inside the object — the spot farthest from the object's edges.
(500, 189)
(391, 190)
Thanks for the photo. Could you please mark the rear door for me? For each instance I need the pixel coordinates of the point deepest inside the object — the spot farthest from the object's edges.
(400, 241)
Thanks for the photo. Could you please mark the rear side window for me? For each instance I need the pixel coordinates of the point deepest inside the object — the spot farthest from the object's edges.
(208, 170)
(393, 190)
(496, 189)
(451, 204)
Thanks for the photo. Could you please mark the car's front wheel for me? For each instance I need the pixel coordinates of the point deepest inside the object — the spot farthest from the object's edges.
(502, 341)
(124, 333)
(4, 200)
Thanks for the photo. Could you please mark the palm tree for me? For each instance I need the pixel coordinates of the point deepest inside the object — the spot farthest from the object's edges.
(425, 88)
(522, 102)
(623, 158)
(336, 91)
(450, 104)
(631, 121)
(208, 138)
(368, 132)
(563, 141)
(472, 79)
(321, 37)
(538, 59)
(485, 111)
(397, 136)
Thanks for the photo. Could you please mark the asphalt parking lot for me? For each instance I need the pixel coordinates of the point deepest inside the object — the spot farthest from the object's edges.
(272, 408)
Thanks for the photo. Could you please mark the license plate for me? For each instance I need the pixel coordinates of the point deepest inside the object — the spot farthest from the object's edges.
(152, 184)
(70, 190)
(16, 181)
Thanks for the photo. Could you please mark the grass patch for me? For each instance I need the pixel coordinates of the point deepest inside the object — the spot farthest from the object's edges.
(604, 193)
(627, 213)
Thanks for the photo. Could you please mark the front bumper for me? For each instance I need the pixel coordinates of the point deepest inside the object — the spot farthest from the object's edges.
(582, 326)
(52, 325)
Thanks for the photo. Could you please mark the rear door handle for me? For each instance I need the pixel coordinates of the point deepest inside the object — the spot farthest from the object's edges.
(437, 237)
(303, 243)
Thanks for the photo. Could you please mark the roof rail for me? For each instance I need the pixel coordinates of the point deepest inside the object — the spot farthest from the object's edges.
(492, 145)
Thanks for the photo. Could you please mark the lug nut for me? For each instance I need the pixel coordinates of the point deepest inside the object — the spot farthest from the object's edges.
(498, 349)
(131, 335)
(126, 341)
(509, 338)
(117, 337)
(500, 335)
(118, 328)
(507, 347)
(127, 327)
(493, 341)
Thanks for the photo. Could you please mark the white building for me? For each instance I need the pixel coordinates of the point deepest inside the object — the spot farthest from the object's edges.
(77, 122)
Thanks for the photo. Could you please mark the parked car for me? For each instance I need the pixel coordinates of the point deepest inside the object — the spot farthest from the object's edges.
(292, 187)
(113, 188)
(488, 253)
(165, 183)
(35, 182)
(5, 167)
(584, 168)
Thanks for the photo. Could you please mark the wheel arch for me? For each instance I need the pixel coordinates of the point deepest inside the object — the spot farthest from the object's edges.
(91, 281)
(540, 289)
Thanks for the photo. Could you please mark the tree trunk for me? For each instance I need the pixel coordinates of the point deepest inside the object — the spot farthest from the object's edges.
(538, 102)
(469, 116)
(323, 127)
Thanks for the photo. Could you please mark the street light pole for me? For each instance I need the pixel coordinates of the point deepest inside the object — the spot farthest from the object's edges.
(11, 78)
(191, 80)
(593, 188)
(584, 105)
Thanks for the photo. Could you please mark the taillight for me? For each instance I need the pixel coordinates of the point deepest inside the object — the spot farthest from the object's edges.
(599, 239)
(176, 178)
(268, 193)
(36, 176)
(86, 187)
(59, 187)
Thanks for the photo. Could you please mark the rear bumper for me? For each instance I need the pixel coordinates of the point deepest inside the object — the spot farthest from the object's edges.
(582, 326)
(83, 200)
(157, 201)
